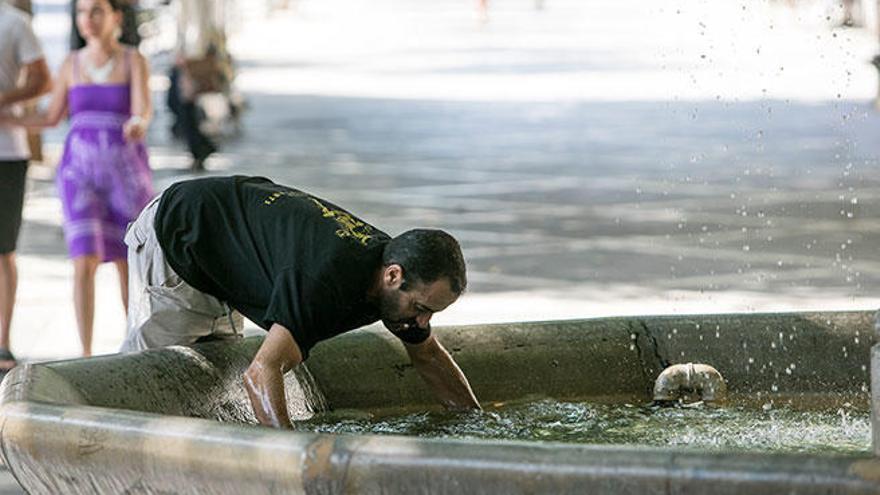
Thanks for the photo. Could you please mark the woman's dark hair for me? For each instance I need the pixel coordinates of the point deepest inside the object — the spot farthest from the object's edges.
(427, 255)
(129, 36)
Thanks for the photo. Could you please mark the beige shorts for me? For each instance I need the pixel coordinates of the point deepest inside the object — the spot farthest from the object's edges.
(163, 309)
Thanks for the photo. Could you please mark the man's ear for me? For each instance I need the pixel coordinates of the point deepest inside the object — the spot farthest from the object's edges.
(393, 276)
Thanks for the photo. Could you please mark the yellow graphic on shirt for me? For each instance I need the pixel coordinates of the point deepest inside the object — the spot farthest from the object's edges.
(348, 225)
(274, 197)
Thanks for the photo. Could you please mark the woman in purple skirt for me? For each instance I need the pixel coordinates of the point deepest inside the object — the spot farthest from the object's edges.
(104, 176)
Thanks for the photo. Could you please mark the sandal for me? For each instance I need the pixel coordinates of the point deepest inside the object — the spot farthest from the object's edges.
(6, 355)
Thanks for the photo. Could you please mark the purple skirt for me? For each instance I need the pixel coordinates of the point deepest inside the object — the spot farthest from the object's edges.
(104, 182)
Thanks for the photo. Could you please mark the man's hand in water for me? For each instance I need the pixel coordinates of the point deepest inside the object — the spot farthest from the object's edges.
(442, 375)
(264, 378)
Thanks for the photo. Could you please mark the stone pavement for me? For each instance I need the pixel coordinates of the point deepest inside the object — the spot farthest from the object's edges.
(594, 158)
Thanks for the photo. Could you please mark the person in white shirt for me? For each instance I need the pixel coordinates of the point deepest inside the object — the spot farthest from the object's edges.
(21, 59)
(201, 65)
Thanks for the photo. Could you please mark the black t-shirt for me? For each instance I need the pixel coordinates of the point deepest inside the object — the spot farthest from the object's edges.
(276, 254)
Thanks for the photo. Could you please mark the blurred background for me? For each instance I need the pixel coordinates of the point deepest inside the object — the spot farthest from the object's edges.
(594, 158)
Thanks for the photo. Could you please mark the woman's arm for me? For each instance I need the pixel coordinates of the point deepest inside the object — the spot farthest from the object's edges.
(57, 104)
(135, 128)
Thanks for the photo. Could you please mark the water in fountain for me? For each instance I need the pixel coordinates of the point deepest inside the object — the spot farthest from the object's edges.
(844, 430)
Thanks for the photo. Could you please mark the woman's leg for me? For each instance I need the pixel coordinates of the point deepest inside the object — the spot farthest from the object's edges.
(84, 268)
(122, 269)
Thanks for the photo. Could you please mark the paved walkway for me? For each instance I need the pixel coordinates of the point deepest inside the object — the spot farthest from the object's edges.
(594, 158)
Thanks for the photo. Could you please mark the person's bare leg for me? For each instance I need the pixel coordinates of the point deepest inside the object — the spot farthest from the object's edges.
(122, 269)
(8, 285)
(84, 268)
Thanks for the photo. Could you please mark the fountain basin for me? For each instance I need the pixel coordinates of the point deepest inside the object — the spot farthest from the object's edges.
(177, 419)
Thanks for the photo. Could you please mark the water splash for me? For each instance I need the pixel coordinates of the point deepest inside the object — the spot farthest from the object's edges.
(739, 428)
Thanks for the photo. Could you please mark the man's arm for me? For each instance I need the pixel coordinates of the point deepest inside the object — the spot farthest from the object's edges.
(442, 375)
(264, 378)
(57, 103)
(37, 82)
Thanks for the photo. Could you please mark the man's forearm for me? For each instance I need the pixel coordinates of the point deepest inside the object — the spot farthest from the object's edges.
(19, 94)
(443, 375)
(265, 388)
(264, 378)
(37, 82)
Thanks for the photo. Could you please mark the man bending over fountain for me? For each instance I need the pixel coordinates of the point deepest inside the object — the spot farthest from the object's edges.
(210, 250)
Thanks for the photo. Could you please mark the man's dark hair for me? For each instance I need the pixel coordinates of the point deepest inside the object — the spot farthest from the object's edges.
(427, 255)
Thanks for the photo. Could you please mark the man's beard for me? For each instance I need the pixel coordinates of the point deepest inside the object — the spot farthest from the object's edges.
(389, 311)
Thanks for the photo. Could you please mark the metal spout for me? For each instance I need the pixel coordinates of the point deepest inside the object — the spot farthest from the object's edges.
(700, 379)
